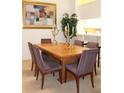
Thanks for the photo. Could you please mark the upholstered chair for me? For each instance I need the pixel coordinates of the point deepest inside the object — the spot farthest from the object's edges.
(45, 55)
(45, 66)
(32, 57)
(34, 60)
(84, 67)
(79, 42)
(93, 45)
(43, 41)
(46, 40)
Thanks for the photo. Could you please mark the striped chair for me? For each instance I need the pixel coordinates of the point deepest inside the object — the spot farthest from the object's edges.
(45, 55)
(32, 57)
(79, 42)
(93, 45)
(46, 40)
(84, 67)
(45, 66)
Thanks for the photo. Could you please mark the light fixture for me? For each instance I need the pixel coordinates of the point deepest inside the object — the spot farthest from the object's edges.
(85, 1)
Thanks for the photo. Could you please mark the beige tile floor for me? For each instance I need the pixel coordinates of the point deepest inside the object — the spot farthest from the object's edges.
(51, 85)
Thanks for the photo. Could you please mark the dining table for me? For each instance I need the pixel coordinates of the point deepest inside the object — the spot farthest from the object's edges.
(64, 53)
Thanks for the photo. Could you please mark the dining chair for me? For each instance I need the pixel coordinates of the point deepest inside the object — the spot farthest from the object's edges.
(32, 57)
(43, 41)
(79, 42)
(46, 40)
(93, 45)
(45, 66)
(34, 60)
(84, 67)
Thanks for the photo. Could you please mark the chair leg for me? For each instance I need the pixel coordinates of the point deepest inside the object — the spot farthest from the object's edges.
(95, 69)
(53, 73)
(98, 61)
(42, 81)
(65, 76)
(32, 66)
(77, 84)
(92, 81)
(60, 77)
(35, 71)
(37, 74)
(83, 77)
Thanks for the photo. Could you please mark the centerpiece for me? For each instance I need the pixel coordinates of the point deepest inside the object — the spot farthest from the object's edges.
(69, 26)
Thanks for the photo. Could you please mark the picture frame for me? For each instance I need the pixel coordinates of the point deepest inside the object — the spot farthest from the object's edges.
(38, 15)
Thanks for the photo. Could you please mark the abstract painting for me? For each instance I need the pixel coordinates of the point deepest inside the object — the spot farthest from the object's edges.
(39, 15)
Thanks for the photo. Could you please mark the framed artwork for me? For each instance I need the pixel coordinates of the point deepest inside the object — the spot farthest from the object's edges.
(38, 15)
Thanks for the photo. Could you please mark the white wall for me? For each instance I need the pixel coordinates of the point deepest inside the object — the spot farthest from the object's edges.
(90, 10)
(86, 12)
(34, 35)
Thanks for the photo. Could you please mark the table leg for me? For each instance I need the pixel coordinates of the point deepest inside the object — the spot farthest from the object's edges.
(63, 72)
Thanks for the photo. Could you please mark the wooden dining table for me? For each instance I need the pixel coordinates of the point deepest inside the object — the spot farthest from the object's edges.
(66, 54)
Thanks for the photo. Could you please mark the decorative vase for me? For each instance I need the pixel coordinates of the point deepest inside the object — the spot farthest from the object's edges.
(68, 36)
(54, 33)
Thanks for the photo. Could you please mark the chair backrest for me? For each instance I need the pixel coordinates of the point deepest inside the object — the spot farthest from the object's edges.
(92, 45)
(46, 40)
(79, 42)
(39, 59)
(87, 61)
(31, 51)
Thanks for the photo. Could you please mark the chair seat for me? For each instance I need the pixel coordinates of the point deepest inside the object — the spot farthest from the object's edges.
(72, 67)
(45, 57)
(49, 58)
(52, 64)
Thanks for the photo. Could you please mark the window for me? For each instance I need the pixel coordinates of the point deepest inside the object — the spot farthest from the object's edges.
(91, 26)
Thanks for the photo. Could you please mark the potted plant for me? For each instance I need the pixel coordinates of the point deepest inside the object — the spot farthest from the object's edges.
(69, 23)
